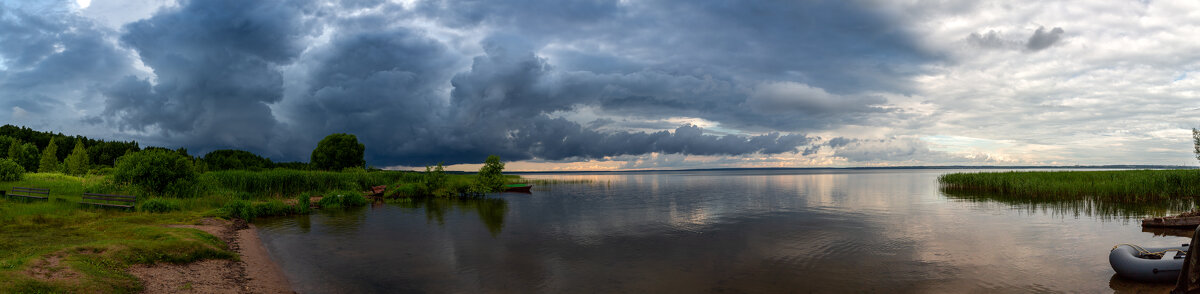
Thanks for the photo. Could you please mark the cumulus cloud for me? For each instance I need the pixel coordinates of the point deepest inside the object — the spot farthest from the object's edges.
(456, 80)
(1042, 39)
(216, 72)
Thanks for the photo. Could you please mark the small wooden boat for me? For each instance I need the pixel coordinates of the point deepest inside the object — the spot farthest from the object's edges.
(1183, 222)
(519, 188)
(375, 191)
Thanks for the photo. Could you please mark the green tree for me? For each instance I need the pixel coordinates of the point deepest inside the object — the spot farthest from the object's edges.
(77, 163)
(1196, 142)
(435, 177)
(337, 152)
(49, 160)
(159, 171)
(235, 159)
(24, 154)
(491, 178)
(5, 143)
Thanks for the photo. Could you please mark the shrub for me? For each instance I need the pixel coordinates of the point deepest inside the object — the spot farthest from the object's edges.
(157, 171)
(342, 199)
(158, 205)
(238, 209)
(272, 208)
(10, 170)
(303, 204)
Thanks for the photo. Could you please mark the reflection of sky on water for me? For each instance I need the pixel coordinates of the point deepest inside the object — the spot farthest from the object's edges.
(687, 232)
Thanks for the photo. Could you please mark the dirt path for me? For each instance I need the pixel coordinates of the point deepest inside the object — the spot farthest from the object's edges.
(255, 273)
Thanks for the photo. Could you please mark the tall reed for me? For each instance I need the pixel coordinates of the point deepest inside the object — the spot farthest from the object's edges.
(1128, 186)
(288, 183)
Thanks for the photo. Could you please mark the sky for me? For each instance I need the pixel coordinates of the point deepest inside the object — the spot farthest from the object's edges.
(613, 85)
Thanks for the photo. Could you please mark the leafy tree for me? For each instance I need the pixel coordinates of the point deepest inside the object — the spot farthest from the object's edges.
(49, 160)
(337, 152)
(435, 177)
(25, 154)
(77, 162)
(5, 143)
(490, 177)
(1196, 142)
(159, 171)
(234, 159)
(10, 170)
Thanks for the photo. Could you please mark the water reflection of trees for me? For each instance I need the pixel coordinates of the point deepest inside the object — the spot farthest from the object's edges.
(491, 211)
(1089, 207)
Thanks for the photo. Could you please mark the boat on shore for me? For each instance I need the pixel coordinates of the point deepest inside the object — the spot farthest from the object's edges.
(519, 188)
(1188, 220)
(1155, 265)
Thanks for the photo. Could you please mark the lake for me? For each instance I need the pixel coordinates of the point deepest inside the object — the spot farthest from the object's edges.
(729, 231)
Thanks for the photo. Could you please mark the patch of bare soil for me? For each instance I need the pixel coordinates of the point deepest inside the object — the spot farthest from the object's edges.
(51, 268)
(255, 273)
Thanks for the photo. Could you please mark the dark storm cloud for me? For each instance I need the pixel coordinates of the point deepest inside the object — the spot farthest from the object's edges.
(216, 71)
(51, 59)
(1042, 39)
(374, 83)
(274, 77)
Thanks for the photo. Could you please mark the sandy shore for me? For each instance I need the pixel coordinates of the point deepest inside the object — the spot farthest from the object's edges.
(255, 273)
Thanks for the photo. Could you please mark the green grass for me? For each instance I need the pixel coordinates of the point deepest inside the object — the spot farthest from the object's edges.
(1123, 186)
(99, 244)
(96, 244)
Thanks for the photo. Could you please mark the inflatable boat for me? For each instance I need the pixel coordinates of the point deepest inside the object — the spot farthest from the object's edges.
(1159, 264)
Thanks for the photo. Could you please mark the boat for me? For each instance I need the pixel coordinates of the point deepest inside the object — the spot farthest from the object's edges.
(519, 188)
(1181, 221)
(1159, 264)
(375, 191)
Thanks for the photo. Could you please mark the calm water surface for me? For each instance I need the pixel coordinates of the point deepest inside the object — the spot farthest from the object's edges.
(711, 231)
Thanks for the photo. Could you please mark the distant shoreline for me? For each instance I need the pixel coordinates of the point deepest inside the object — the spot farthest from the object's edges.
(872, 168)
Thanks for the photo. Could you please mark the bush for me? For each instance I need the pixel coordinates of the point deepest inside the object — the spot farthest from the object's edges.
(10, 170)
(272, 208)
(303, 204)
(159, 205)
(342, 199)
(238, 209)
(156, 171)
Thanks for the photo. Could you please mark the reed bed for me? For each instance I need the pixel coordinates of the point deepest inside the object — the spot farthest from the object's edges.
(1123, 186)
(288, 183)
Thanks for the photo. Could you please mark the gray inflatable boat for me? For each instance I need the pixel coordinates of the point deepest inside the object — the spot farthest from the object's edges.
(1158, 264)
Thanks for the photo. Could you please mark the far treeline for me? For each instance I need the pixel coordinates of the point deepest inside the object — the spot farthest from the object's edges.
(158, 171)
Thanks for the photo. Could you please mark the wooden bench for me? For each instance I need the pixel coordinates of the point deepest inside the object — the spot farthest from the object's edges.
(30, 193)
(105, 199)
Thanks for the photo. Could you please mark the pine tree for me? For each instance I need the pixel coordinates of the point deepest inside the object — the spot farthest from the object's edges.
(77, 163)
(49, 161)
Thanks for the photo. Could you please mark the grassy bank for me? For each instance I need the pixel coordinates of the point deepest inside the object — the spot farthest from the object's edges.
(1123, 186)
(59, 246)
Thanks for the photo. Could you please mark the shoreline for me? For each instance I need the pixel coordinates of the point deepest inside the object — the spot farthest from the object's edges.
(254, 272)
